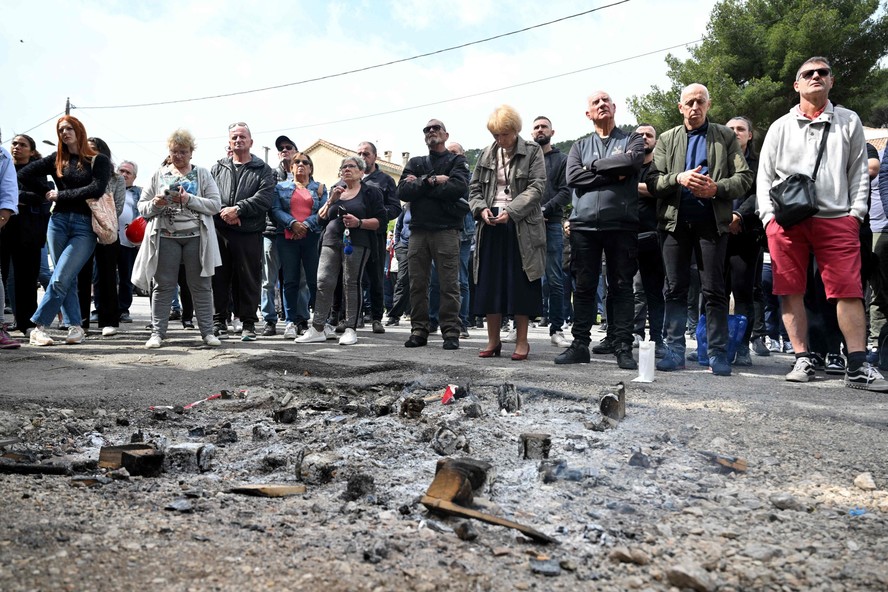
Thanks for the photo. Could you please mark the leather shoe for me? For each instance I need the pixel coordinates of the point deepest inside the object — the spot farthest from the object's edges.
(451, 343)
(416, 341)
(518, 357)
(491, 353)
(377, 327)
(577, 353)
(625, 359)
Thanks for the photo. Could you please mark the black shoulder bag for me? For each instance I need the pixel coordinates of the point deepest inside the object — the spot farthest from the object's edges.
(794, 199)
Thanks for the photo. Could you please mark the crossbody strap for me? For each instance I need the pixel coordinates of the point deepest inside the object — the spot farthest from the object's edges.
(822, 148)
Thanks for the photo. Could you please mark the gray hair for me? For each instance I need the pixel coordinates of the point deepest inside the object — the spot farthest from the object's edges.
(813, 60)
(132, 164)
(694, 86)
(362, 166)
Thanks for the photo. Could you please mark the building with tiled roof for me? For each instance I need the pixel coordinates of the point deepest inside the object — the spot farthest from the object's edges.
(327, 157)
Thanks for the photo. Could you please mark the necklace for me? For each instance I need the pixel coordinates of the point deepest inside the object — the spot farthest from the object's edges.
(506, 166)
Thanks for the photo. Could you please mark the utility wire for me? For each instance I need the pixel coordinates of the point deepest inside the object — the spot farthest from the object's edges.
(36, 126)
(366, 68)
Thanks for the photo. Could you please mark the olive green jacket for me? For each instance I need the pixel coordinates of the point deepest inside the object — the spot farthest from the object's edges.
(527, 184)
(727, 167)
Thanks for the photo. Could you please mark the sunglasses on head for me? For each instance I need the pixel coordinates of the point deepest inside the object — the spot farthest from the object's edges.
(432, 128)
(809, 74)
(238, 124)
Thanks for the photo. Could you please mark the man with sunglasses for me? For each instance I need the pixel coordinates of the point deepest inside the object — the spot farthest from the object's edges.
(246, 184)
(435, 187)
(833, 234)
(386, 184)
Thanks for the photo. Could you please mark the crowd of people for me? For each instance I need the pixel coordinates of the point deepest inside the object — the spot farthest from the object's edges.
(631, 228)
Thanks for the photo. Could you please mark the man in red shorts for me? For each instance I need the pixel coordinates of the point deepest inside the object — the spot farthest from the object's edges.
(791, 146)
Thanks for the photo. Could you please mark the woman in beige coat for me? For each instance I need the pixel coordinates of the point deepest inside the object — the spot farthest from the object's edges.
(510, 252)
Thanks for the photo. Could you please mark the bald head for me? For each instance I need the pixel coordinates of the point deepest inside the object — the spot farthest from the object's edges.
(456, 148)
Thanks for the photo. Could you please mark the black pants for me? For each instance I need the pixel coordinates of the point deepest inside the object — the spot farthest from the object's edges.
(374, 271)
(653, 278)
(743, 269)
(678, 249)
(20, 243)
(401, 301)
(102, 267)
(239, 278)
(620, 248)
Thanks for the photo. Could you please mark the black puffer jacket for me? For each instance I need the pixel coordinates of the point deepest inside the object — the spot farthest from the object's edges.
(251, 190)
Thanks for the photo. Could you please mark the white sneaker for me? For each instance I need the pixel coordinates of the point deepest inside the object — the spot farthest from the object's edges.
(774, 345)
(636, 341)
(40, 337)
(312, 336)
(559, 340)
(236, 325)
(210, 340)
(75, 336)
(802, 371)
(511, 337)
(109, 331)
(154, 342)
(329, 332)
(290, 331)
(349, 337)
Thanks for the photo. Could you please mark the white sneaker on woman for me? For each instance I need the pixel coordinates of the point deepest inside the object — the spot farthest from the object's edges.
(311, 336)
(350, 337)
(154, 342)
(290, 331)
(40, 337)
(212, 340)
(109, 331)
(75, 335)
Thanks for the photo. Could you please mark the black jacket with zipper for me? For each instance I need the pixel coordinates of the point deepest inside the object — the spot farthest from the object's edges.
(251, 189)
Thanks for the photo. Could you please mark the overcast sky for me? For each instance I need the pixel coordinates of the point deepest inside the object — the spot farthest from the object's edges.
(126, 52)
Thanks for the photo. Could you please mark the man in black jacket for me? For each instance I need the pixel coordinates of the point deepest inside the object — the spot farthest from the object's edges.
(435, 186)
(557, 196)
(246, 185)
(603, 170)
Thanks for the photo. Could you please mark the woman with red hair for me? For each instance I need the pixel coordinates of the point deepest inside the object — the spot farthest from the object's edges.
(79, 174)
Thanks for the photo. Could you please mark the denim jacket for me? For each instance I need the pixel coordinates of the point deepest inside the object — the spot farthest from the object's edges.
(280, 208)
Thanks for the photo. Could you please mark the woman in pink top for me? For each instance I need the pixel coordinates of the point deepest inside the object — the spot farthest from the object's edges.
(295, 212)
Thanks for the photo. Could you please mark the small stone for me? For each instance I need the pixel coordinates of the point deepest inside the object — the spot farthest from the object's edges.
(384, 405)
(865, 482)
(263, 433)
(762, 552)
(286, 415)
(318, 468)
(639, 459)
(180, 505)
(273, 461)
(546, 567)
(472, 407)
(620, 555)
(690, 576)
(785, 501)
(226, 436)
(189, 457)
(122, 421)
(412, 407)
(466, 531)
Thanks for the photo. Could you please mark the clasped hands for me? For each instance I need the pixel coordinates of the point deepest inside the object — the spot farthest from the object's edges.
(700, 186)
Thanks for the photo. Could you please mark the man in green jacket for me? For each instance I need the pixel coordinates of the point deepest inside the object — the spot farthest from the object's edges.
(698, 171)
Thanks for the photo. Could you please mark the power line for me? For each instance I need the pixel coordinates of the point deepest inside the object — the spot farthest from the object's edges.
(38, 125)
(366, 68)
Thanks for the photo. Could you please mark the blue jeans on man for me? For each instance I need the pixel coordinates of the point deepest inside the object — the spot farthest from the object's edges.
(554, 277)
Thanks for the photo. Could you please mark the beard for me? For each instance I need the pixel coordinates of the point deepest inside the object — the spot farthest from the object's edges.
(542, 140)
(648, 150)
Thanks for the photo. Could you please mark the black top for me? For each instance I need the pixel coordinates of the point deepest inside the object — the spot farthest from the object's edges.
(366, 204)
(32, 195)
(434, 207)
(78, 183)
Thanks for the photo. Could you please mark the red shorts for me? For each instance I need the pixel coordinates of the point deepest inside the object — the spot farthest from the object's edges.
(835, 243)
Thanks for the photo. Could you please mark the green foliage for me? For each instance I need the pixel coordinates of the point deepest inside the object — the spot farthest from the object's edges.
(753, 49)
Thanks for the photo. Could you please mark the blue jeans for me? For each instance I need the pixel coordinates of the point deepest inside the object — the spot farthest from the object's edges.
(554, 277)
(271, 266)
(296, 256)
(71, 243)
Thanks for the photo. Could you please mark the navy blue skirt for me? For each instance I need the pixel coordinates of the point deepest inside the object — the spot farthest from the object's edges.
(502, 286)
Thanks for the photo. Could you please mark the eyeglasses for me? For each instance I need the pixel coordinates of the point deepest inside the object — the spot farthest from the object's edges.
(809, 74)
(286, 148)
(179, 152)
(348, 166)
(432, 128)
(238, 124)
(305, 162)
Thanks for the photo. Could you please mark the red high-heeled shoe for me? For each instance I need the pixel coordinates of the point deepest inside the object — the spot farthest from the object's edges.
(491, 353)
(518, 357)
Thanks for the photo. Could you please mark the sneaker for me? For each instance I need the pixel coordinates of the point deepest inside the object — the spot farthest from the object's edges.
(211, 340)
(220, 330)
(341, 327)
(40, 337)
(866, 378)
(742, 357)
(835, 364)
(787, 347)
(302, 327)
(237, 326)
(464, 332)
(625, 359)
(818, 362)
(7, 342)
(75, 335)
(377, 327)
(248, 333)
(349, 337)
(392, 322)
(313, 336)
(660, 350)
(154, 342)
(577, 353)
(126, 318)
(636, 341)
(94, 316)
(759, 347)
(270, 330)
(605, 346)
(718, 364)
(670, 362)
(451, 343)
(803, 371)
(774, 346)
(290, 331)
(544, 322)
(512, 336)
(329, 332)
(416, 341)
(109, 331)
(559, 340)
(187, 324)
(175, 315)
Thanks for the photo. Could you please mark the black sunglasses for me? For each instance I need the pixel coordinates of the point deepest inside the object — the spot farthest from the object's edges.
(297, 161)
(432, 128)
(809, 74)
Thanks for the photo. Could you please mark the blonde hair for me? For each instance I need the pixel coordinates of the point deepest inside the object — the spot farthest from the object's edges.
(504, 119)
(182, 138)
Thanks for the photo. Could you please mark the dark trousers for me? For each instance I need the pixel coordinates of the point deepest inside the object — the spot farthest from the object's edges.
(374, 272)
(620, 248)
(649, 301)
(240, 272)
(743, 268)
(126, 258)
(21, 243)
(442, 248)
(678, 250)
(100, 272)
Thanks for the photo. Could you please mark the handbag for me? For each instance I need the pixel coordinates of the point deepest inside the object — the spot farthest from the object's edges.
(794, 198)
(104, 218)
